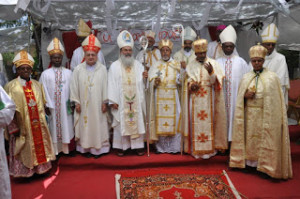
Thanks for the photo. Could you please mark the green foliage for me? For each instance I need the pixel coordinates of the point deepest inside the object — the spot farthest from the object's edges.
(23, 21)
(7, 58)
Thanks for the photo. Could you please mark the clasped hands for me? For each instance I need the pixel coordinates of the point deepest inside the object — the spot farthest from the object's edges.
(194, 87)
(103, 108)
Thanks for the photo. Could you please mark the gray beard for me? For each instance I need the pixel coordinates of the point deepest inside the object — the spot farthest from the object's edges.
(126, 61)
(165, 58)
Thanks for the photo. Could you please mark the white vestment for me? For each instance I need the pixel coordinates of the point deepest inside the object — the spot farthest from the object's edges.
(166, 105)
(56, 84)
(78, 56)
(151, 57)
(89, 89)
(181, 55)
(276, 63)
(234, 67)
(214, 50)
(6, 115)
(116, 95)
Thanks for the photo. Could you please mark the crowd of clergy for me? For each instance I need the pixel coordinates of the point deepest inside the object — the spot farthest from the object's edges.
(203, 101)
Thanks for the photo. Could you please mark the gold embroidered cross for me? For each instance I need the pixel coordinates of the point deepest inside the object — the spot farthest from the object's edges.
(28, 90)
(202, 115)
(166, 124)
(166, 107)
(202, 137)
(29, 95)
(129, 80)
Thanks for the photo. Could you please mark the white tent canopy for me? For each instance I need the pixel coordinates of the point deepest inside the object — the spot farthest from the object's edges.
(110, 16)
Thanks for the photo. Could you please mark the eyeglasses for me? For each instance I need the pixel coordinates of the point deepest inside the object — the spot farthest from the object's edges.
(24, 68)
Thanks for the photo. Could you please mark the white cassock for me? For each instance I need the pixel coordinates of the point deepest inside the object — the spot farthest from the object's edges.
(214, 50)
(78, 56)
(182, 55)
(117, 95)
(6, 116)
(56, 84)
(234, 67)
(89, 89)
(151, 57)
(276, 63)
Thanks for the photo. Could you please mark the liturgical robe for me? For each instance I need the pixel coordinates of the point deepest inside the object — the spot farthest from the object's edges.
(56, 84)
(165, 106)
(276, 63)
(7, 111)
(234, 67)
(89, 89)
(126, 88)
(31, 151)
(260, 132)
(204, 130)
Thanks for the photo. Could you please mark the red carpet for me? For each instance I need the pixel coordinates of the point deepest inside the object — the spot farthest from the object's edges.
(80, 177)
(172, 184)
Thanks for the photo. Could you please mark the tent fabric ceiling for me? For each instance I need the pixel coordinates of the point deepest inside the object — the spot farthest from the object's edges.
(14, 39)
(142, 13)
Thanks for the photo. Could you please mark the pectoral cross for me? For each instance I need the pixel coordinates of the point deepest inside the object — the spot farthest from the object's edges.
(130, 103)
(129, 81)
(158, 73)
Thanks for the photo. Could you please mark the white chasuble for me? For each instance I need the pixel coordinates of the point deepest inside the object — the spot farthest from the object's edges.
(127, 93)
(89, 89)
(56, 84)
(206, 107)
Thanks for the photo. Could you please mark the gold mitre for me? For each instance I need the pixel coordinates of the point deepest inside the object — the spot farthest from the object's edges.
(23, 58)
(258, 51)
(150, 33)
(200, 45)
(83, 30)
(165, 42)
(55, 47)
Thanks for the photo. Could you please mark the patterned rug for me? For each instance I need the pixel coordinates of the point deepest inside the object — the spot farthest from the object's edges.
(174, 184)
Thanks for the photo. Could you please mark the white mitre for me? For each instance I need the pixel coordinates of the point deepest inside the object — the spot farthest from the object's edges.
(228, 35)
(189, 34)
(125, 39)
(270, 34)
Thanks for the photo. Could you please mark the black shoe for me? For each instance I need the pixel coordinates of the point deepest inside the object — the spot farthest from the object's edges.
(87, 155)
(72, 154)
(140, 152)
(263, 175)
(120, 153)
